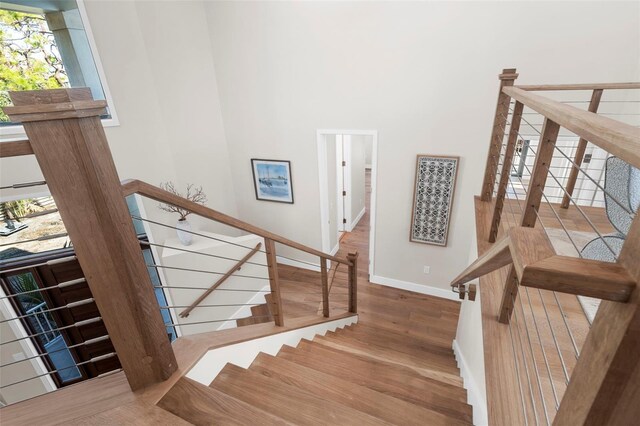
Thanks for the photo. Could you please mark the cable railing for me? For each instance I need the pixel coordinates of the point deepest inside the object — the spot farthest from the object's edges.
(570, 168)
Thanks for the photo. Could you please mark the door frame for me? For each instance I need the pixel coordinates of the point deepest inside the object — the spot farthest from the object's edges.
(324, 188)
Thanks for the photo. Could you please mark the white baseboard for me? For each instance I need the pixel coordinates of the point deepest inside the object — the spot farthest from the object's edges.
(335, 249)
(418, 288)
(298, 264)
(357, 219)
(367, 166)
(474, 394)
(242, 354)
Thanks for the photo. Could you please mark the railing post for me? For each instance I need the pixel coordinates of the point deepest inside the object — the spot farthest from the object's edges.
(325, 287)
(68, 140)
(507, 78)
(605, 384)
(274, 282)
(505, 171)
(582, 147)
(353, 282)
(537, 182)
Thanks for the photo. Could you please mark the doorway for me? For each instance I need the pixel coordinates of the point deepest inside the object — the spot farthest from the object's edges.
(347, 159)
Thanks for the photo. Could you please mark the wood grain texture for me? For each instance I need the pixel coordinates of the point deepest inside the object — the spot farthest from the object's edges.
(325, 287)
(15, 148)
(496, 257)
(582, 86)
(138, 187)
(202, 405)
(505, 172)
(76, 162)
(594, 103)
(615, 137)
(274, 282)
(507, 79)
(605, 386)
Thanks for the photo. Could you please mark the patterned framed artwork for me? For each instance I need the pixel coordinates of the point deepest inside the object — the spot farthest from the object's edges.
(432, 199)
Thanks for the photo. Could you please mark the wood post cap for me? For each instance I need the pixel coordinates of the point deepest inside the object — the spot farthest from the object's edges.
(42, 105)
(508, 74)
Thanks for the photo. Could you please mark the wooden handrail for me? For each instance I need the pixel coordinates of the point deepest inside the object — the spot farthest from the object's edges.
(15, 148)
(537, 265)
(234, 268)
(619, 139)
(584, 86)
(130, 187)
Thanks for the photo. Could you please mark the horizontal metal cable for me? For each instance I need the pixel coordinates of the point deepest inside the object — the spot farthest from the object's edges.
(92, 360)
(217, 289)
(210, 306)
(61, 285)
(43, 238)
(219, 239)
(154, 265)
(77, 345)
(67, 306)
(212, 321)
(74, 325)
(24, 185)
(47, 263)
(37, 214)
(200, 253)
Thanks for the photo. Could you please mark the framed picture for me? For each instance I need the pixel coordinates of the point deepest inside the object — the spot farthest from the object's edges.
(432, 199)
(272, 180)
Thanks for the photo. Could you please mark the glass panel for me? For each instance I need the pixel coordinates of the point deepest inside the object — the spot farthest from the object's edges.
(162, 300)
(43, 326)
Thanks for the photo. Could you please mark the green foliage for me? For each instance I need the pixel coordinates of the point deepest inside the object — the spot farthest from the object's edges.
(19, 208)
(29, 57)
(26, 283)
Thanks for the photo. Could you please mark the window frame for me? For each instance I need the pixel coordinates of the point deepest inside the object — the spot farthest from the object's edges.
(15, 132)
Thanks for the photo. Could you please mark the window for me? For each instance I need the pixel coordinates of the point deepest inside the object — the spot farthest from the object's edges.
(44, 45)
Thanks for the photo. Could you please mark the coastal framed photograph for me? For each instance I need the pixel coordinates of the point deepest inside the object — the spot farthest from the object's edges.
(272, 180)
(432, 199)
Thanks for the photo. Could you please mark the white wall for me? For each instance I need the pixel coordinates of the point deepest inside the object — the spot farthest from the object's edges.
(159, 68)
(357, 170)
(430, 86)
(368, 152)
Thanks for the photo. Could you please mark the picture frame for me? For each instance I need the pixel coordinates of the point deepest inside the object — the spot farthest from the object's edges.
(434, 190)
(272, 180)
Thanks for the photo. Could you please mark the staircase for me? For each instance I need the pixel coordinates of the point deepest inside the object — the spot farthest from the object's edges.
(361, 374)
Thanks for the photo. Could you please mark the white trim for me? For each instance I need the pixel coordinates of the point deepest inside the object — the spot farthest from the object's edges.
(474, 394)
(17, 132)
(335, 249)
(324, 208)
(347, 147)
(417, 288)
(357, 219)
(367, 166)
(298, 264)
(242, 354)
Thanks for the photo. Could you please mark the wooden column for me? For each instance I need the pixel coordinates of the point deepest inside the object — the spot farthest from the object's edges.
(506, 171)
(605, 384)
(537, 182)
(68, 140)
(507, 78)
(582, 146)
(353, 282)
(274, 282)
(325, 287)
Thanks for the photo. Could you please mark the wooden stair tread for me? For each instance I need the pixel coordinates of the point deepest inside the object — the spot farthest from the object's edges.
(358, 397)
(199, 404)
(285, 401)
(398, 340)
(380, 356)
(386, 378)
(405, 356)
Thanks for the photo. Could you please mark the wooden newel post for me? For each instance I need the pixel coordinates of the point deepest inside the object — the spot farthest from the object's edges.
(274, 281)
(353, 282)
(68, 140)
(325, 287)
(507, 78)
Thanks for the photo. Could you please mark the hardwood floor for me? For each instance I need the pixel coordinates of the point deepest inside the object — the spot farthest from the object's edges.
(395, 366)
